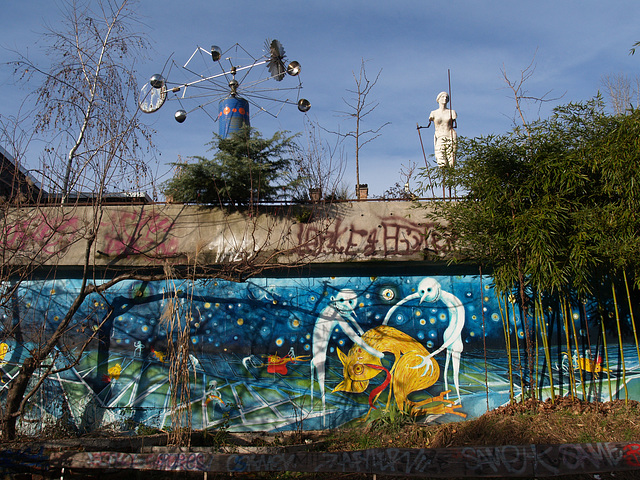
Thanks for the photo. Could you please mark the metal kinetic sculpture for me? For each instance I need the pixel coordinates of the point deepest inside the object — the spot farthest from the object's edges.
(228, 82)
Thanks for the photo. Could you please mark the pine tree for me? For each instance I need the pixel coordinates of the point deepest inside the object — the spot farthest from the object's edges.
(245, 169)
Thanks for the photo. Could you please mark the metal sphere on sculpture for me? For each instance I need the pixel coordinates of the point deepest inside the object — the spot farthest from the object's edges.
(294, 68)
(157, 81)
(304, 105)
(180, 116)
(216, 53)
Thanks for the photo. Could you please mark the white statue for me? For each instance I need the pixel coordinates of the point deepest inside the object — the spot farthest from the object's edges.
(444, 138)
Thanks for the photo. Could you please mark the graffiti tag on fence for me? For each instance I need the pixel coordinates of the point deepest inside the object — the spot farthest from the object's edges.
(509, 460)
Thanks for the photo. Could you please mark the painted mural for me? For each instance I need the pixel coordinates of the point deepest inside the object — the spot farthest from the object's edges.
(276, 354)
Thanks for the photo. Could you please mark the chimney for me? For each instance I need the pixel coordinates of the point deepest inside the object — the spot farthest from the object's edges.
(362, 191)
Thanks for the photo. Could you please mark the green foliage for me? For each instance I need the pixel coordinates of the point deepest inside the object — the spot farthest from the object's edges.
(218, 436)
(391, 420)
(245, 169)
(553, 209)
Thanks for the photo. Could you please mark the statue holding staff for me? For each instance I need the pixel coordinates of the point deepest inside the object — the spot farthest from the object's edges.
(444, 138)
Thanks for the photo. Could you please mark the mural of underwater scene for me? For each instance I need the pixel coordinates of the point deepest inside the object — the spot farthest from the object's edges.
(275, 354)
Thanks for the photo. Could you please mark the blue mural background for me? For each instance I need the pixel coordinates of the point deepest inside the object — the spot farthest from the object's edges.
(251, 350)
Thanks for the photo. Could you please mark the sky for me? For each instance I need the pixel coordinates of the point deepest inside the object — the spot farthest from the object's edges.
(415, 45)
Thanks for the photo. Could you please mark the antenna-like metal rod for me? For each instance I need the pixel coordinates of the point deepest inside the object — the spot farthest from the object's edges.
(453, 150)
(237, 69)
(426, 164)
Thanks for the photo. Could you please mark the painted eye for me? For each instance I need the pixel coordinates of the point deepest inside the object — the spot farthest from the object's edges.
(388, 294)
(358, 369)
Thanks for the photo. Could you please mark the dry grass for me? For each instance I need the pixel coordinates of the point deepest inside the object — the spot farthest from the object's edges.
(532, 422)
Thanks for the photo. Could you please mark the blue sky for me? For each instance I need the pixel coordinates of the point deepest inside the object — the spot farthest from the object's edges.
(414, 43)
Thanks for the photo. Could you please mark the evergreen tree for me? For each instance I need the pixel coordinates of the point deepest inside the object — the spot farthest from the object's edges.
(245, 169)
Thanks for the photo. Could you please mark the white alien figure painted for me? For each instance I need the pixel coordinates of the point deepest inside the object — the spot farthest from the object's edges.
(430, 290)
(339, 313)
(445, 136)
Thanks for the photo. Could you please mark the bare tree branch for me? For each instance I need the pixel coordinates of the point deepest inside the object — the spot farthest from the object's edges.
(520, 94)
(359, 107)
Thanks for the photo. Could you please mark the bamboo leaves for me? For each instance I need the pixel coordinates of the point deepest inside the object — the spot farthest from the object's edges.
(563, 199)
(555, 212)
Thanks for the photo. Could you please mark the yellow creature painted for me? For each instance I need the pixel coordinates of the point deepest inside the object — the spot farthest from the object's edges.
(115, 371)
(359, 367)
(586, 364)
(4, 349)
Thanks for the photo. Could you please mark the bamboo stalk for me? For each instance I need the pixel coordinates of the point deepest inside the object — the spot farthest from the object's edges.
(620, 346)
(585, 326)
(545, 343)
(537, 370)
(507, 341)
(633, 323)
(606, 357)
(484, 339)
(517, 334)
(575, 336)
(563, 312)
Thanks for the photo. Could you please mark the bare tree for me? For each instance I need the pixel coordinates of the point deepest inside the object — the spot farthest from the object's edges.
(86, 107)
(319, 166)
(403, 190)
(522, 96)
(358, 108)
(87, 115)
(621, 91)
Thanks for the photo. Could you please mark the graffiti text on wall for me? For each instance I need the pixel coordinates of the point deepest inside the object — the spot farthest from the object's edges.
(392, 236)
(138, 233)
(49, 235)
(508, 461)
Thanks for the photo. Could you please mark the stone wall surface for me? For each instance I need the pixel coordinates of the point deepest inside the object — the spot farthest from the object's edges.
(143, 235)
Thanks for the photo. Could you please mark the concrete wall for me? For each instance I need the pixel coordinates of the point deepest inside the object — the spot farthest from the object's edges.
(370, 327)
(149, 235)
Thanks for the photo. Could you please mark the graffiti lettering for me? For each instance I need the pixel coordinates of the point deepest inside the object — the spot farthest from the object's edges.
(392, 236)
(138, 233)
(232, 249)
(511, 459)
(109, 460)
(199, 462)
(546, 459)
(182, 462)
(382, 461)
(50, 235)
(262, 463)
(590, 456)
(632, 455)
